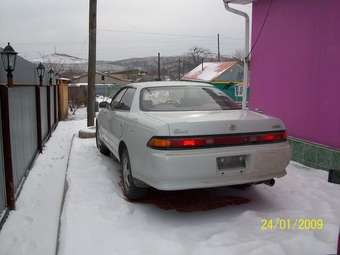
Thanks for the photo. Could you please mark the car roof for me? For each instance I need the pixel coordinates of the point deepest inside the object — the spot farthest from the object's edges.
(168, 83)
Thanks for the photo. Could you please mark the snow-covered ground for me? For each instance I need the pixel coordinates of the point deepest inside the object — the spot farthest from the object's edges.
(80, 114)
(96, 218)
(32, 227)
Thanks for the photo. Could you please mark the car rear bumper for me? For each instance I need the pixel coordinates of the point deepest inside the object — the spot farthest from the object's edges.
(192, 169)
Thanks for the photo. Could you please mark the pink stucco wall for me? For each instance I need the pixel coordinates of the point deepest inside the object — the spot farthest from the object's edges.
(295, 69)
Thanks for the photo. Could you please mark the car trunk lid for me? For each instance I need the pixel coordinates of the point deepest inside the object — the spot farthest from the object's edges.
(200, 123)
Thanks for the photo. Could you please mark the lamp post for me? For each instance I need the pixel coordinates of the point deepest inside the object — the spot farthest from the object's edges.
(50, 76)
(8, 57)
(41, 73)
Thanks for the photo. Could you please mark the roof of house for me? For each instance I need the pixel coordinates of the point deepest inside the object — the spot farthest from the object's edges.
(100, 73)
(211, 71)
(63, 79)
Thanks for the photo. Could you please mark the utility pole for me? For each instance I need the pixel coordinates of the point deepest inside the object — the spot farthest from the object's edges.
(202, 64)
(159, 66)
(91, 88)
(218, 48)
(179, 68)
(183, 66)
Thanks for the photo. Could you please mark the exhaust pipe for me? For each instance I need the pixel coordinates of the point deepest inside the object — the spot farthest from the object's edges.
(270, 182)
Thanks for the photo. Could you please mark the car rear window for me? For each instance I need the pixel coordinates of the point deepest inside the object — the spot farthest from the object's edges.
(178, 98)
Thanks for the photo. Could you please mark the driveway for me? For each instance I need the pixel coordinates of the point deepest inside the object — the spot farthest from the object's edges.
(98, 220)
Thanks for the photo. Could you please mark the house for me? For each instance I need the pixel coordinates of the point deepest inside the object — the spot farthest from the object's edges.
(227, 76)
(101, 78)
(132, 75)
(106, 85)
(78, 92)
(294, 74)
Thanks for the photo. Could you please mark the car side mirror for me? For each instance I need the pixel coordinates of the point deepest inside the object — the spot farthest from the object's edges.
(103, 104)
(120, 106)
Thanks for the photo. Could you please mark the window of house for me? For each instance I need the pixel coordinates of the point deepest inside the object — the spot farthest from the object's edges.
(238, 91)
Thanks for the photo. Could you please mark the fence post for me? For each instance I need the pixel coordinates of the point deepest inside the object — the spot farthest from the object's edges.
(49, 109)
(9, 178)
(38, 110)
(55, 105)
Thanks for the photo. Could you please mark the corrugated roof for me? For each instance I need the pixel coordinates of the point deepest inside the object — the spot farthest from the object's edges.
(211, 71)
(100, 73)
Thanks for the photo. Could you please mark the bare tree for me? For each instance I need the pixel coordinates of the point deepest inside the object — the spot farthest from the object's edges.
(239, 54)
(197, 53)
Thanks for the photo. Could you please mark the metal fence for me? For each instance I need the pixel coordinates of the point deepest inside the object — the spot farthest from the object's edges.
(52, 105)
(23, 124)
(2, 172)
(28, 116)
(44, 114)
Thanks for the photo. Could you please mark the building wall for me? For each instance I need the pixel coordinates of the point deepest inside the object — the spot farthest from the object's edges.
(230, 90)
(295, 66)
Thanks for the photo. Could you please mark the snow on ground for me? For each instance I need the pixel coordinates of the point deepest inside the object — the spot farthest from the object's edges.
(100, 99)
(80, 114)
(98, 220)
(32, 227)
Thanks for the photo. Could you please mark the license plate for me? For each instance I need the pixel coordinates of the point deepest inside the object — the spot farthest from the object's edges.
(231, 162)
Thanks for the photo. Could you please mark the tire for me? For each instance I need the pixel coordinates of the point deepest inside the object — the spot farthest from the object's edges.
(100, 145)
(130, 190)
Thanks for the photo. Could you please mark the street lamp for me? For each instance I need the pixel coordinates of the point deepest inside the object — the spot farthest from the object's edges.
(8, 57)
(40, 72)
(51, 75)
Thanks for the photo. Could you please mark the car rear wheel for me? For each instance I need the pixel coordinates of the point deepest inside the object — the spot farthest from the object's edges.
(101, 147)
(130, 190)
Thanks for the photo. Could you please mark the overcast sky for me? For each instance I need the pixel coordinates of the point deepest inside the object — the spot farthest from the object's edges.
(126, 28)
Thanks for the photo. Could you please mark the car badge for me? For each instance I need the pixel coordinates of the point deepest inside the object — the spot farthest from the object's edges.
(232, 127)
(276, 126)
(180, 131)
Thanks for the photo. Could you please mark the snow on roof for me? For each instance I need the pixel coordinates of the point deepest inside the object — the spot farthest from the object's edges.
(63, 79)
(211, 70)
(112, 76)
(60, 58)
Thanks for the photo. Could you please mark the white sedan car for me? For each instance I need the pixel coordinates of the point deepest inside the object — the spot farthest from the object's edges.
(188, 135)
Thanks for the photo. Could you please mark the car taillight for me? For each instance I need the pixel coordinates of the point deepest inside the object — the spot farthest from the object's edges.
(216, 141)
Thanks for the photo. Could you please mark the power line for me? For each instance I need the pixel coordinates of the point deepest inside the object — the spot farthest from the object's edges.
(169, 34)
(261, 29)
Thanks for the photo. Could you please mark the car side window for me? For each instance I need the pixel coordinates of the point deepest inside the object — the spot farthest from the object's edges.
(126, 101)
(116, 99)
